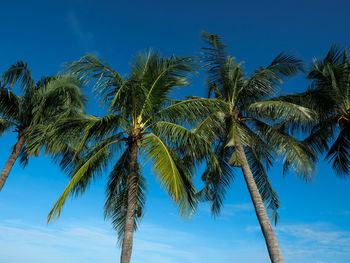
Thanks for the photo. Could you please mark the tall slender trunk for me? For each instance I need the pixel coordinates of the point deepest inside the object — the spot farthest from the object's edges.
(11, 161)
(265, 224)
(130, 213)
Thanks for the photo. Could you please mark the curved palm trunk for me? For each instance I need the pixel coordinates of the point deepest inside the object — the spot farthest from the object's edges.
(130, 213)
(265, 224)
(11, 161)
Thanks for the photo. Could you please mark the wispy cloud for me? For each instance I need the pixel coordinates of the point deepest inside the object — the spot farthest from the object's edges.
(319, 240)
(229, 210)
(85, 39)
(40, 243)
(234, 209)
(87, 244)
(316, 242)
(84, 243)
(344, 213)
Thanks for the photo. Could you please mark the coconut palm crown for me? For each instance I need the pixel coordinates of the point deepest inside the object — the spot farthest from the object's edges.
(329, 95)
(142, 124)
(252, 131)
(41, 103)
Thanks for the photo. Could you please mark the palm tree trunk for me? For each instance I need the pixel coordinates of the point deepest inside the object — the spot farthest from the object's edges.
(11, 161)
(265, 224)
(130, 213)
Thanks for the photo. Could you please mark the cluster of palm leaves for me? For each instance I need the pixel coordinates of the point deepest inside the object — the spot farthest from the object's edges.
(242, 124)
(41, 104)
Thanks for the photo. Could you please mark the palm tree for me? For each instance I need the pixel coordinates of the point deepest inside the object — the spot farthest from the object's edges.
(142, 124)
(40, 104)
(329, 96)
(251, 132)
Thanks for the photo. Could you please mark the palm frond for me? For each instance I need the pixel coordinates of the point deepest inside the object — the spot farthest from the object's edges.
(237, 135)
(275, 110)
(321, 135)
(18, 72)
(100, 128)
(190, 111)
(285, 65)
(89, 68)
(176, 181)
(59, 96)
(187, 141)
(159, 77)
(214, 54)
(339, 153)
(265, 80)
(94, 162)
(10, 105)
(117, 195)
(294, 153)
(211, 127)
(4, 125)
(217, 179)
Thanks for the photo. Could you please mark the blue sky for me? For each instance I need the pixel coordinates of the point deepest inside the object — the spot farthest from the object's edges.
(314, 217)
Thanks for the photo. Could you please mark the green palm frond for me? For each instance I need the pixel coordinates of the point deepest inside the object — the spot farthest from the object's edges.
(4, 125)
(275, 110)
(188, 141)
(294, 153)
(10, 105)
(285, 65)
(211, 127)
(339, 153)
(334, 57)
(99, 128)
(176, 182)
(18, 72)
(266, 80)
(60, 97)
(60, 136)
(261, 84)
(67, 89)
(213, 88)
(232, 80)
(137, 105)
(91, 69)
(94, 162)
(321, 135)
(237, 135)
(217, 179)
(214, 56)
(190, 111)
(40, 105)
(160, 76)
(316, 101)
(329, 96)
(117, 194)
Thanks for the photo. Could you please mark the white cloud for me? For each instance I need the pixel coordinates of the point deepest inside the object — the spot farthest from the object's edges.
(234, 209)
(86, 243)
(320, 241)
(40, 243)
(229, 210)
(314, 243)
(84, 38)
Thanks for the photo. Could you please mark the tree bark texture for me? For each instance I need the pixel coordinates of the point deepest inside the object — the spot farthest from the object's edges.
(265, 224)
(11, 161)
(130, 213)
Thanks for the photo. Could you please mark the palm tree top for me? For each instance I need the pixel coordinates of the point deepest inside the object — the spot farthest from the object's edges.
(140, 111)
(254, 119)
(329, 95)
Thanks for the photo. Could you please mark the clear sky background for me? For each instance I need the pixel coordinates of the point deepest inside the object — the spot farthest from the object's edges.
(314, 218)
